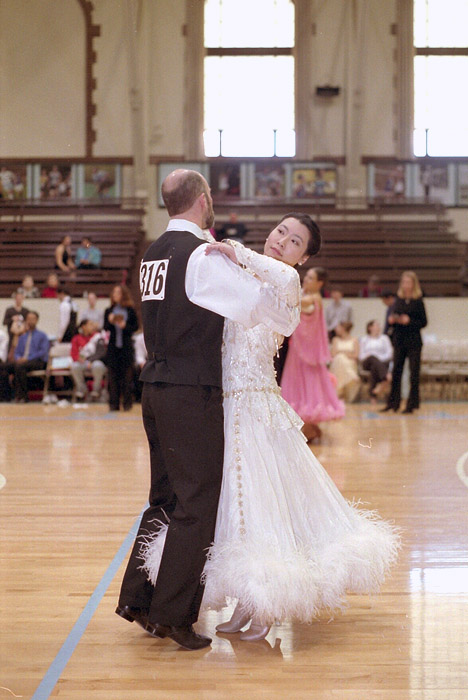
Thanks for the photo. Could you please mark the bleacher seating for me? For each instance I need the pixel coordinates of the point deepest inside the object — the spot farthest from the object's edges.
(358, 242)
(30, 233)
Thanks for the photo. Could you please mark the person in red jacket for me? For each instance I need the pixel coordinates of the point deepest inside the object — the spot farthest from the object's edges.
(80, 364)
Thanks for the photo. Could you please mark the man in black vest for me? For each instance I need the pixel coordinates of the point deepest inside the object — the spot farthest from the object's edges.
(185, 294)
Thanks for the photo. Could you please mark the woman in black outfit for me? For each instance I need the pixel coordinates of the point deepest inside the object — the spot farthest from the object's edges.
(121, 320)
(407, 318)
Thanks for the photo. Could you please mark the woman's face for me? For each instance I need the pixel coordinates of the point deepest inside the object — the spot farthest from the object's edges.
(407, 285)
(288, 242)
(52, 280)
(67, 241)
(375, 329)
(311, 284)
(340, 331)
(116, 295)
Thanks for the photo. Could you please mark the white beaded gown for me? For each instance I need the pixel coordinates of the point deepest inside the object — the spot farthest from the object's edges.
(287, 544)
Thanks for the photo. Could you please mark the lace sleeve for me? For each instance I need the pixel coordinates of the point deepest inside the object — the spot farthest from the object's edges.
(282, 277)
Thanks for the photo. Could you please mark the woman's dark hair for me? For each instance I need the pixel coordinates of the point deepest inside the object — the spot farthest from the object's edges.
(315, 239)
(321, 274)
(346, 325)
(369, 326)
(126, 295)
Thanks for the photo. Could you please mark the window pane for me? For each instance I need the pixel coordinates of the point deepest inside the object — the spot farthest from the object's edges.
(441, 105)
(440, 95)
(419, 142)
(247, 142)
(444, 142)
(249, 92)
(441, 23)
(285, 143)
(247, 23)
(211, 139)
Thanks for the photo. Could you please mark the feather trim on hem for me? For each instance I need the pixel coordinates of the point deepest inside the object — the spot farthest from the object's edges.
(294, 585)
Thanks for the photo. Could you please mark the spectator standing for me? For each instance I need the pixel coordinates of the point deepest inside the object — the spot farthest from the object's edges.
(4, 384)
(141, 356)
(52, 284)
(28, 289)
(407, 318)
(68, 322)
(31, 353)
(63, 255)
(345, 352)
(88, 256)
(372, 290)
(121, 320)
(338, 311)
(375, 355)
(80, 364)
(92, 313)
(3, 346)
(233, 230)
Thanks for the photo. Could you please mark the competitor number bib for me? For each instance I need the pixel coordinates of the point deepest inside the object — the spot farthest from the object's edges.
(153, 279)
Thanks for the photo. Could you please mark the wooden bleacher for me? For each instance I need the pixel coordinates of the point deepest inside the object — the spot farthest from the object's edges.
(30, 232)
(363, 240)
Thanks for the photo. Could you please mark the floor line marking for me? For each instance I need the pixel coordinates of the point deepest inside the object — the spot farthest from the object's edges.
(460, 469)
(64, 654)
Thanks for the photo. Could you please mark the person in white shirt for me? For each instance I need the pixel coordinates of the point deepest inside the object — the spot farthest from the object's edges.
(68, 324)
(375, 355)
(92, 313)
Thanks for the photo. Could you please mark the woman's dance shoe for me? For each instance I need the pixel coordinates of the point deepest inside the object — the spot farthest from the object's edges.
(238, 620)
(389, 408)
(311, 431)
(255, 632)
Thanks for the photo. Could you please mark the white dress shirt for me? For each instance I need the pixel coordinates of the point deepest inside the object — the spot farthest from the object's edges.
(3, 345)
(66, 307)
(380, 347)
(217, 284)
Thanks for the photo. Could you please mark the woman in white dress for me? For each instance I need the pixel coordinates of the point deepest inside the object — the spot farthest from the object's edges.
(345, 351)
(287, 544)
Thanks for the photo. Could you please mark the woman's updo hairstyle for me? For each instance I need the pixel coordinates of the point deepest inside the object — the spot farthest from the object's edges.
(315, 238)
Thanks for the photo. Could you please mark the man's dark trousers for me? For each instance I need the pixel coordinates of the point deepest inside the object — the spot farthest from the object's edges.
(184, 426)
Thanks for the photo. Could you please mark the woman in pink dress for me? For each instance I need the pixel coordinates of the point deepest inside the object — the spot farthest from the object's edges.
(306, 383)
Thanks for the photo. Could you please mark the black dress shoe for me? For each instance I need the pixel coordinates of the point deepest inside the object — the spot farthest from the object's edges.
(185, 636)
(387, 408)
(408, 410)
(135, 615)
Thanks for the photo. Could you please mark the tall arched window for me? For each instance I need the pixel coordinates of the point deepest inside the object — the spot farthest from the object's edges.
(440, 77)
(249, 78)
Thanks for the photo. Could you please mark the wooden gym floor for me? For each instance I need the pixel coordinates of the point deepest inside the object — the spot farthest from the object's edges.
(73, 484)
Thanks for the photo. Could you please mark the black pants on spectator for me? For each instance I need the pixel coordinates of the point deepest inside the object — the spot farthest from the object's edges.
(20, 371)
(5, 388)
(120, 378)
(378, 371)
(184, 427)
(400, 353)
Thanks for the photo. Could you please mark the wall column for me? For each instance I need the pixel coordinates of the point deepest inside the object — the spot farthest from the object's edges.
(135, 40)
(405, 79)
(194, 54)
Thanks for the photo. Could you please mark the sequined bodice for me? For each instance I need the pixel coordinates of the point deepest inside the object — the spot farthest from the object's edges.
(248, 354)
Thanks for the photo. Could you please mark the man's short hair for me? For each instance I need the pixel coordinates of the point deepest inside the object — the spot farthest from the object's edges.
(34, 313)
(182, 197)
